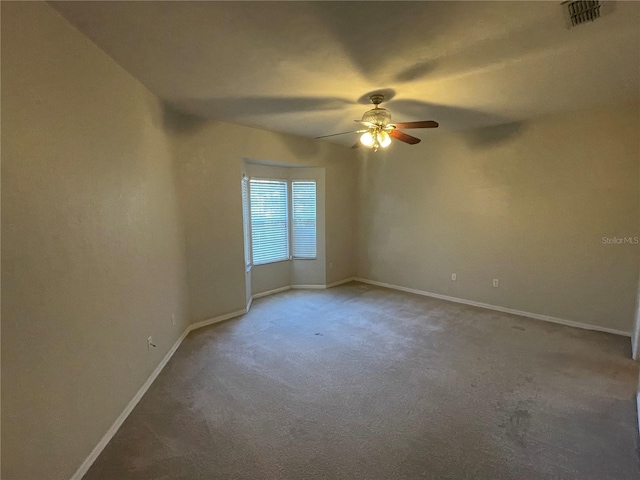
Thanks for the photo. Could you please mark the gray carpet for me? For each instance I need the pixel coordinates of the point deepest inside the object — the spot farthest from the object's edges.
(358, 382)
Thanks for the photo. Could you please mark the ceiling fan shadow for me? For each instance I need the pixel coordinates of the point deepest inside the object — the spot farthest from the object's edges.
(239, 108)
(416, 71)
(449, 118)
(372, 35)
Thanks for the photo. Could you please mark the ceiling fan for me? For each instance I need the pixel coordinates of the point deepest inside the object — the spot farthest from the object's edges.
(379, 130)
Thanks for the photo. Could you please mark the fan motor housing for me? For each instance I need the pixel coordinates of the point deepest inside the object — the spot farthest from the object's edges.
(377, 116)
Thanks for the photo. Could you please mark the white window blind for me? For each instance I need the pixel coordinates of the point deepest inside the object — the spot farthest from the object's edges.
(303, 214)
(269, 221)
(245, 220)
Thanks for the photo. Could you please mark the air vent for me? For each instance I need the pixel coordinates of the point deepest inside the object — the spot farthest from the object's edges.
(582, 11)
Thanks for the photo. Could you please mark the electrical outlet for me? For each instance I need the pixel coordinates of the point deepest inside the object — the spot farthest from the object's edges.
(495, 282)
(453, 277)
(150, 344)
(173, 319)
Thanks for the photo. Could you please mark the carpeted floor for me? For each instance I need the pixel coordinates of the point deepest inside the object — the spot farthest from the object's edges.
(359, 382)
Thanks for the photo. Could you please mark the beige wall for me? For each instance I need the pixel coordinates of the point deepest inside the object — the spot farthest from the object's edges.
(270, 276)
(527, 204)
(92, 257)
(209, 163)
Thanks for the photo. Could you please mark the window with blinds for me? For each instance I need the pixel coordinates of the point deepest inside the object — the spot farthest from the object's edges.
(269, 221)
(245, 221)
(303, 213)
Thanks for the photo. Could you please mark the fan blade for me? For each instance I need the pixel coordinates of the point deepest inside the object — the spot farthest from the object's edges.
(403, 137)
(423, 124)
(341, 133)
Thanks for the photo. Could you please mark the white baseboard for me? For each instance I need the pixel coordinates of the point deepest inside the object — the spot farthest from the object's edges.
(340, 282)
(323, 287)
(128, 409)
(546, 318)
(270, 292)
(219, 319)
(301, 287)
(84, 467)
(249, 303)
(82, 470)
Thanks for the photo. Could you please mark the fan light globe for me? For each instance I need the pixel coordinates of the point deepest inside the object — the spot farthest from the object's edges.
(367, 139)
(383, 139)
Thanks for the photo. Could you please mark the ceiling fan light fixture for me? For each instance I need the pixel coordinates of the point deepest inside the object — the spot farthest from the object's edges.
(378, 128)
(367, 139)
(384, 140)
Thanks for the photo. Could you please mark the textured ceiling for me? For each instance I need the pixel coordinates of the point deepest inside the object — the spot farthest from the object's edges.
(306, 67)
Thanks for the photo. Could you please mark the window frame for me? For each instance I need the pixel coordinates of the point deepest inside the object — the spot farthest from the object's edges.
(315, 197)
(248, 236)
(287, 183)
(246, 220)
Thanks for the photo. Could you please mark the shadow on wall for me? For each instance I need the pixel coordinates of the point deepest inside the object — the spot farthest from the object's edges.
(506, 170)
(176, 121)
(491, 136)
(188, 116)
